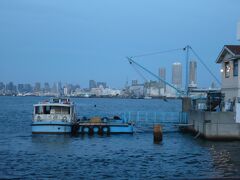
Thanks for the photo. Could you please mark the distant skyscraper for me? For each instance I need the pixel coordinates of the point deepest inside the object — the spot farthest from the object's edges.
(103, 84)
(37, 87)
(92, 84)
(46, 87)
(177, 74)
(2, 88)
(27, 88)
(54, 88)
(20, 88)
(162, 75)
(192, 74)
(59, 88)
(11, 88)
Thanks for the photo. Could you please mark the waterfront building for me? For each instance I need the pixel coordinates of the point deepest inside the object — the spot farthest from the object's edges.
(192, 74)
(162, 75)
(28, 88)
(65, 91)
(136, 90)
(92, 84)
(134, 82)
(20, 88)
(75, 87)
(177, 74)
(11, 89)
(54, 88)
(47, 87)
(103, 84)
(59, 88)
(151, 89)
(37, 87)
(229, 59)
(2, 88)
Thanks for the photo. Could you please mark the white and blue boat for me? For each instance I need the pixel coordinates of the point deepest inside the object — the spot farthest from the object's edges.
(54, 116)
(57, 116)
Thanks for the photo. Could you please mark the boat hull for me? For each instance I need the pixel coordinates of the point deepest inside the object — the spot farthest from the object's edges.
(51, 128)
(121, 129)
(106, 128)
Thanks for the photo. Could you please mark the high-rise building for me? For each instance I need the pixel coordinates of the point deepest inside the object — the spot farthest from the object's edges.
(27, 88)
(11, 88)
(192, 74)
(103, 84)
(92, 84)
(47, 87)
(59, 88)
(37, 87)
(2, 88)
(54, 88)
(162, 75)
(20, 88)
(177, 74)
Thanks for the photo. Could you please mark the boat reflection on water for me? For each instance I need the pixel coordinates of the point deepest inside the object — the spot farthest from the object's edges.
(51, 140)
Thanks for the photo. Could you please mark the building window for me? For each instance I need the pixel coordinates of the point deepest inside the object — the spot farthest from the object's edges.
(235, 68)
(227, 70)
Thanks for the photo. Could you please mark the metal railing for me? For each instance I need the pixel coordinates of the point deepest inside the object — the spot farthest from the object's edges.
(144, 121)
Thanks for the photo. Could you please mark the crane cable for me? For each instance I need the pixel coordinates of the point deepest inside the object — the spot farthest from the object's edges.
(157, 52)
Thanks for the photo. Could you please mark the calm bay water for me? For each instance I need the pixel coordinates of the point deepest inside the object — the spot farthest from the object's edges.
(27, 156)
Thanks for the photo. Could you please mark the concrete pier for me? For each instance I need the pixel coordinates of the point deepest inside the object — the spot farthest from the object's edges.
(214, 125)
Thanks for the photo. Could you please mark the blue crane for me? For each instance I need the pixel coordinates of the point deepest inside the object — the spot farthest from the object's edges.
(187, 49)
(131, 61)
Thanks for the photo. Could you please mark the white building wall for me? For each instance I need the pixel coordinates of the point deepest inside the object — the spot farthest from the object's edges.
(231, 85)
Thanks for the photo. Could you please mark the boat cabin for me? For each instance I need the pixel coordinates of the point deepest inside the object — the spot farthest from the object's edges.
(56, 106)
(51, 109)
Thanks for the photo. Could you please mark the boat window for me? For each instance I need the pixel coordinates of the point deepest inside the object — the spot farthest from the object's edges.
(55, 100)
(59, 110)
(47, 109)
(38, 110)
(65, 110)
(42, 109)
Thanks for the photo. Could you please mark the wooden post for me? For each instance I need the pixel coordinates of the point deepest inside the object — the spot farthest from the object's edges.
(90, 131)
(157, 133)
(100, 130)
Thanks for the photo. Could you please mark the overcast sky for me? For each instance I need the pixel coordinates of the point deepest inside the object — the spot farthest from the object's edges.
(74, 41)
